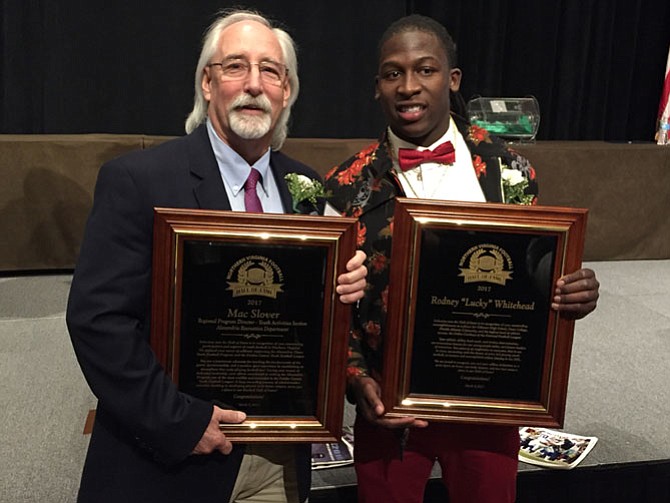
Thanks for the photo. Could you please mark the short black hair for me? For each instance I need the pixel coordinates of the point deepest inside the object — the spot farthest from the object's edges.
(417, 22)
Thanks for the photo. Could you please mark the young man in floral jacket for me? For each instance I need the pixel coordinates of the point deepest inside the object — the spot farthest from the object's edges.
(427, 152)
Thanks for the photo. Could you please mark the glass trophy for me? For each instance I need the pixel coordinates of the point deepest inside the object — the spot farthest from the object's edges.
(513, 119)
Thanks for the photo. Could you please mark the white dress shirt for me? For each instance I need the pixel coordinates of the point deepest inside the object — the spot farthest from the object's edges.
(430, 180)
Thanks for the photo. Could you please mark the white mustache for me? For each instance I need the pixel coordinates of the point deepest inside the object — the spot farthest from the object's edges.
(244, 100)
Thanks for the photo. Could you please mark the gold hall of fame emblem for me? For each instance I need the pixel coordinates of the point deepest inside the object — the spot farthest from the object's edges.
(486, 263)
(255, 275)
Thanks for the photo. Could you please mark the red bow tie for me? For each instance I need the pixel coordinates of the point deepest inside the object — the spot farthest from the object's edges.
(409, 158)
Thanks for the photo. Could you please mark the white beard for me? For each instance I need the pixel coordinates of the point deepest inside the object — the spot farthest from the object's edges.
(249, 128)
(246, 126)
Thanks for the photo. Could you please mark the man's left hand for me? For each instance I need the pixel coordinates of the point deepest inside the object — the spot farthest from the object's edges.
(351, 284)
(576, 294)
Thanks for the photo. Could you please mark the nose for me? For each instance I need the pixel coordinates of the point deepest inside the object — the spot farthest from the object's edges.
(409, 84)
(252, 83)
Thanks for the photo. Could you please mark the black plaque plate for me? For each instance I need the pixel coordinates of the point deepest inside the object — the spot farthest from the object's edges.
(249, 315)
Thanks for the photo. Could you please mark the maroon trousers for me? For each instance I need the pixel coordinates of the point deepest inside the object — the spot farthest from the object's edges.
(479, 463)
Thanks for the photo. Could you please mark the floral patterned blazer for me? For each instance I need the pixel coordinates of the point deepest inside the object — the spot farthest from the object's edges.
(365, 186)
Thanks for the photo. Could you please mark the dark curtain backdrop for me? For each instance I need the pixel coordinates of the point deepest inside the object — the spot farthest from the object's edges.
(595, 66)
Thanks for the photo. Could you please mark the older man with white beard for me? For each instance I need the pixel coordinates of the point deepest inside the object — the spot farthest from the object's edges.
(246, 83)
(152, 442)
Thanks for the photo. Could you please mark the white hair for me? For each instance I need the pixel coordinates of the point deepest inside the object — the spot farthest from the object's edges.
(210, 46)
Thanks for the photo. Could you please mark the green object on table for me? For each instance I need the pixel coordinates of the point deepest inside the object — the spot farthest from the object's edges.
(522, 127)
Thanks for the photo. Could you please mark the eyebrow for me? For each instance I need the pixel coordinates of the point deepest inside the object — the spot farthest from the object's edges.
(419, 61)
(242, 56)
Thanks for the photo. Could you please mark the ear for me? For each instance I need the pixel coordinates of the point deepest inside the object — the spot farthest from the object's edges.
(377, 93)
(455, 79)
(206, 84)
(287, 92)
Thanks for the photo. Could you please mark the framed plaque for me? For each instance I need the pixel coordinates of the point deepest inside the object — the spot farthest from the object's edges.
(245, 314)
(471, 335)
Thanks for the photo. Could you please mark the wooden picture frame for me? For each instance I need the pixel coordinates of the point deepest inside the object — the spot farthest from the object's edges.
(471, 336)
(245, 314)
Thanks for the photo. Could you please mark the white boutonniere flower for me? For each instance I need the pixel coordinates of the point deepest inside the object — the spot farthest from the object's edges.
(514, 185)
(303, 189)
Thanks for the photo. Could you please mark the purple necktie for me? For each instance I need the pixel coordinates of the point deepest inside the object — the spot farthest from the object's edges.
(251, 201)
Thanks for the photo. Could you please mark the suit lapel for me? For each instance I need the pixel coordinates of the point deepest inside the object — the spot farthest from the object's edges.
(208, 186)
(490, 183)
(380, 184)
(280, 168)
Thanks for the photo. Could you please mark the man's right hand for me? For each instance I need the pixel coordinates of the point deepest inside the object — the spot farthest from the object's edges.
(368, 398)
(213, 438)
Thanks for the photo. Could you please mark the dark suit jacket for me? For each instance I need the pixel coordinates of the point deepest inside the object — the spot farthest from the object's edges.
(145, 428)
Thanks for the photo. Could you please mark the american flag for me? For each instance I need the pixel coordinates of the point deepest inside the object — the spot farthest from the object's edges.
(663, 132)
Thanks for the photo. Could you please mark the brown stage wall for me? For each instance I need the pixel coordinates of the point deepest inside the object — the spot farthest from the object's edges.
(47, 189)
